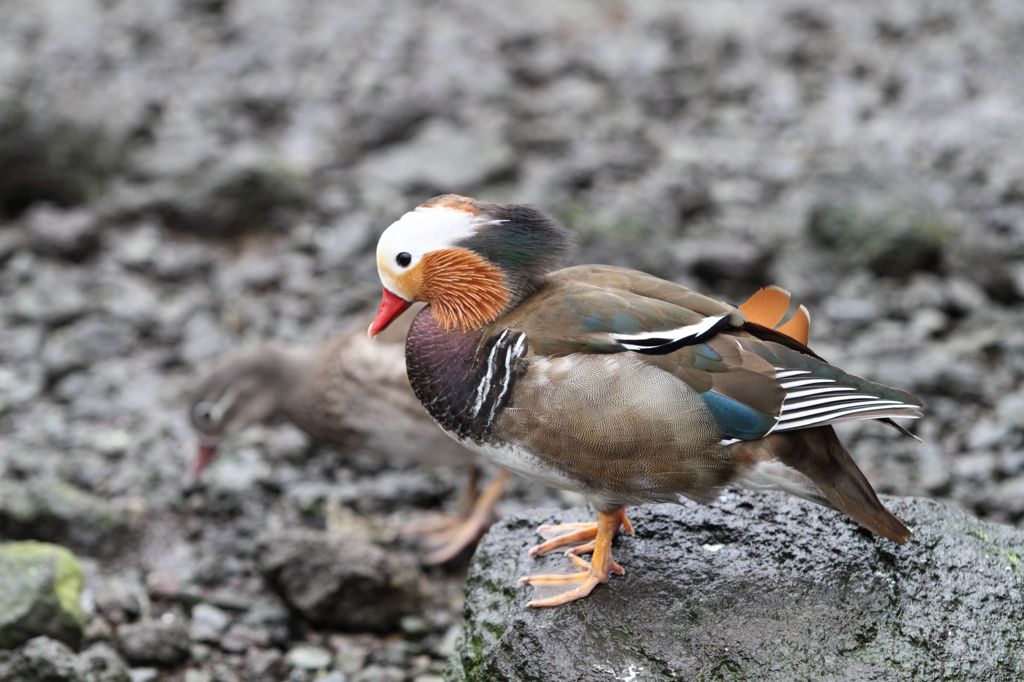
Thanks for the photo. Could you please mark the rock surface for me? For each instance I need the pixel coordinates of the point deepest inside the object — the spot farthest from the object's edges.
(163, 642)
(56, 511)
(46, 660)
(342, 582)
(40, 591)
(758, 587)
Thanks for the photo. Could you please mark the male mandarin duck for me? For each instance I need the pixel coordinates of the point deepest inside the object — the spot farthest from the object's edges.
(336, 391)
(615, 384)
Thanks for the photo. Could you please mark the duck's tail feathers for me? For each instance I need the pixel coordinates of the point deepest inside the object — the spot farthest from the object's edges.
(813, 464)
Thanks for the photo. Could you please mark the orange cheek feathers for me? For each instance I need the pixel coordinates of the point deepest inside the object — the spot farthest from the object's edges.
(464, 290)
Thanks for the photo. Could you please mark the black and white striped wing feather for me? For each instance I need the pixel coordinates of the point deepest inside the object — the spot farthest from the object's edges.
(815, 401)
(669, 340)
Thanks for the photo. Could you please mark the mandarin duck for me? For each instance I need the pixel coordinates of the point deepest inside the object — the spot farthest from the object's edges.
(613, 383)
(336, 391)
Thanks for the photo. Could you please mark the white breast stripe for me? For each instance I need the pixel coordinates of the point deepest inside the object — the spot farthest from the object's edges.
(511, 353)
(485, 383)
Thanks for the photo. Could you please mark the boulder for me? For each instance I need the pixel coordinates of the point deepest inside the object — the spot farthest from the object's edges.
(341, 581)
(46, 156)
(53, 510)
(162, 642)
(757, 586)
(71, 234)
(40, 589)
(46, 660)
(875, 230)
(442, 156)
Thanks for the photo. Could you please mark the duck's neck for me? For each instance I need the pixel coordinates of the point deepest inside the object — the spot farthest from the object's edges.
(459, 376)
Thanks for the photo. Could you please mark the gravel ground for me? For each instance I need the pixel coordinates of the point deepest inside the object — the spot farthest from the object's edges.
(179, 178)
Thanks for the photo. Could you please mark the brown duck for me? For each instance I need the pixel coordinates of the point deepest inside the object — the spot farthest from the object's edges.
(336, 392)
(613, 383)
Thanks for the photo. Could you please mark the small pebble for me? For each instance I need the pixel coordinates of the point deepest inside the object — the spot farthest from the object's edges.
(308, 657)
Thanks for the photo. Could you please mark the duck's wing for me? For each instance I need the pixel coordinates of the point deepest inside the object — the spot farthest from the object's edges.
(753, 386)
(768, 307)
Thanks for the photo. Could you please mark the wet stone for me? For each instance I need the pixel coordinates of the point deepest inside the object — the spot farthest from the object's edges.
(782, 569)
(69, 234)
(208, 623)
(341, 582)
(163, 642)
(308, 657)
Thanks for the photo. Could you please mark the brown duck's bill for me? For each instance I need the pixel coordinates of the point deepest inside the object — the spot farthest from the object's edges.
(204, 456)
(391, 306)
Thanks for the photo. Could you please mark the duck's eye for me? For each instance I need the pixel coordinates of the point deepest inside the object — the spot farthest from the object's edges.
(202, 414)
(403, 259)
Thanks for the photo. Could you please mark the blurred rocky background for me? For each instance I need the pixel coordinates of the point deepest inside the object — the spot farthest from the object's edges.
(179, 178)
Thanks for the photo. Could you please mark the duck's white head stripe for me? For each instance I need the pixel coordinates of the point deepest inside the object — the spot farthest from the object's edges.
(420, 231)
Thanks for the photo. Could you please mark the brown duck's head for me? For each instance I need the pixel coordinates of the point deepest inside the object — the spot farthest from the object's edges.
(469, 260)
(243, 389)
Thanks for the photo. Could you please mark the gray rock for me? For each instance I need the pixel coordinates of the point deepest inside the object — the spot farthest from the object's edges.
(379, 673)
(878, 231)
(72, 234)
(40, 591)
(308, 657)
(757, 586)
(47, 157)
(248, 189)
(46, 660)
(101, 663)
(443, 157)
(55, 299)
(86, 342)
(41, 660)
(1008, 498)
(162, 642)
(341, 582)
(208, 623)
(52, 510)
(144, 674)
(120, 598)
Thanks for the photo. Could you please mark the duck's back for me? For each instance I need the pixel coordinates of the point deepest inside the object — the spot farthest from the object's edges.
(356, 396)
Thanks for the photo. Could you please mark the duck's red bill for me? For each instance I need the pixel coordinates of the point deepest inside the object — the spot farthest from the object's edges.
(391, 306)
(204, 456)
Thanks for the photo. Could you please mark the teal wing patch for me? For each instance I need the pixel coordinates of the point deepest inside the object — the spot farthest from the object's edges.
(736, 419)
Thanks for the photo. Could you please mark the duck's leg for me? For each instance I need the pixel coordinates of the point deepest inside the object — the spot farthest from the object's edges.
(473, 525)
(573, 532)
(594, 572)
(440, 524)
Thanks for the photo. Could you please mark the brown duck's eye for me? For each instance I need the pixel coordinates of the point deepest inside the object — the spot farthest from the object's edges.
(403, 259)
(202, 414)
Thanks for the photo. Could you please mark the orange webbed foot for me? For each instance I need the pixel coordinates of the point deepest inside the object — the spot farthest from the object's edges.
(568, 533)
(593, 572)
(464, 532)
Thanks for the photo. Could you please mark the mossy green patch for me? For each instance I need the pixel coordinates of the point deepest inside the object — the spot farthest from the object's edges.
(40, 593)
